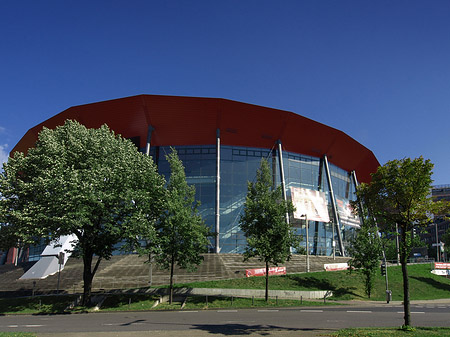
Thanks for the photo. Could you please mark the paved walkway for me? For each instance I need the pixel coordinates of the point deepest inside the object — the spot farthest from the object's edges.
(365, 303)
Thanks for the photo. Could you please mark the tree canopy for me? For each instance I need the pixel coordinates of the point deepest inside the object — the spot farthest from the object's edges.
(181, 232)
(365, 250)
(269, 235)
(399, 193)
(87, 182)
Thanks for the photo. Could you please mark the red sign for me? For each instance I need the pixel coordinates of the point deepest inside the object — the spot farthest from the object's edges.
(262, 271)
(441, 265)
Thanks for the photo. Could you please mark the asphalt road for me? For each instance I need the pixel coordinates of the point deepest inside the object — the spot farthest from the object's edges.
(246, 322)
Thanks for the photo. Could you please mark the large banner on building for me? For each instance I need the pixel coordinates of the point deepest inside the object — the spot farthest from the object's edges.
(311, 203)
(346, 214)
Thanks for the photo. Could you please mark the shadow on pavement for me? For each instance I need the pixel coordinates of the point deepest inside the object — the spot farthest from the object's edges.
(243, 329)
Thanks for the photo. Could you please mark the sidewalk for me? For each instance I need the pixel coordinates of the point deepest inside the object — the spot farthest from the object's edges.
(417, 302)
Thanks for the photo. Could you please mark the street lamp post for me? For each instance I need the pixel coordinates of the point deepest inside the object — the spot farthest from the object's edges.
(437, 242)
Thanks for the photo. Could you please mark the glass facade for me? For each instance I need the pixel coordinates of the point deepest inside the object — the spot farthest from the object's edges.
(238, 165)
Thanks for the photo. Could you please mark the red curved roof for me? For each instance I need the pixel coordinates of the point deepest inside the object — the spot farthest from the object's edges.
(193, 121)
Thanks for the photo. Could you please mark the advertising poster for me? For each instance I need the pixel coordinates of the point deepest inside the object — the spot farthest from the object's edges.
(311, 203)
(262, 271)
(345, 211)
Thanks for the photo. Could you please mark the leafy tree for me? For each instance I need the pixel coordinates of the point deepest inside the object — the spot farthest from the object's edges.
(182, 234)
(446, 241)
(87, 182)
(390, 245)
(269, 236)
(400, 193)
(366, 250)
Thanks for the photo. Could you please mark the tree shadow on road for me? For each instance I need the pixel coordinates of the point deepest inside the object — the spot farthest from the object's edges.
(243, 329)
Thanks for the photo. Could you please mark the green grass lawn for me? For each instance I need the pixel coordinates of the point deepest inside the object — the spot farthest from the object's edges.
(123, 302)
(31, 305)
(423, 284)
(392, 332)
(345, 286)
(144, 302)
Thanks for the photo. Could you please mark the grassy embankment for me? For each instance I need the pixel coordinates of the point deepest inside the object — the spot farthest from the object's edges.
(345, 286)
(423, 284)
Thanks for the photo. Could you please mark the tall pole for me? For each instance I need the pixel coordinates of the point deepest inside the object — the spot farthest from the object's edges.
(333, 242)
(147, 152)
(437, 243)
(217, 224)
(397, 244)
(307, 243)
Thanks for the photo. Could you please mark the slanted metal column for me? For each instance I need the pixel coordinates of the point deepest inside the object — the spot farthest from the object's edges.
(217, 247)
(317, 223)
(149, 138)
(356, 184)
(333, 204)
(283, 186)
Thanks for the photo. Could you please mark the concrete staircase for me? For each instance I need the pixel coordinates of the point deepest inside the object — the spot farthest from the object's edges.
(132, 271)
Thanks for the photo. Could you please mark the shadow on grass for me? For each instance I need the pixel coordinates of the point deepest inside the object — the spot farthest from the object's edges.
(432, 282)
(41, 305)
(322, 284)
(122, 300)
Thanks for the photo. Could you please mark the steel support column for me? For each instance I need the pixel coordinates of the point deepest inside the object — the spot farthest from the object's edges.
(217, 210)
(149, 138)
(317, 223)
(283, 185)
(356, 184)
(333, 204)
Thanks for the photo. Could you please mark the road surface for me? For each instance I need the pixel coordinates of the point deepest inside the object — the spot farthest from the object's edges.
(302, 321)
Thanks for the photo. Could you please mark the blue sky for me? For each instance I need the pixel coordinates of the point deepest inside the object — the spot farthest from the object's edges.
(377, 70)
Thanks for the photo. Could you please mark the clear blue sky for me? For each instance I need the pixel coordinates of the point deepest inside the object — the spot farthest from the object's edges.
(377, 70)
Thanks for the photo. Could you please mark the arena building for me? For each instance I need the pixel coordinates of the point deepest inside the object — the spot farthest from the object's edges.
(221, 143)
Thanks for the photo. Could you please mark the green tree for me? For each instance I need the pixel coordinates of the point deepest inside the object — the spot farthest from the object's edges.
(400, 193)
(182, 234)
(390, 244)
(87, 182)
(366, 250)
(269, 235)
(446, 241)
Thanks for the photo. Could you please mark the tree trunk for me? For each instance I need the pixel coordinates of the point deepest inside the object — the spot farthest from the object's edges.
(88, 276)
(172, 262)
(87, 279)
(404, 263)
(267, 282)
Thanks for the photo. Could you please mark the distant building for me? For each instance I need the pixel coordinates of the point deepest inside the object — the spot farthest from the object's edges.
(438, 192)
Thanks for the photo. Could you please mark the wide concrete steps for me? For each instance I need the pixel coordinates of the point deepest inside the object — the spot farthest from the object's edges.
(131, 271)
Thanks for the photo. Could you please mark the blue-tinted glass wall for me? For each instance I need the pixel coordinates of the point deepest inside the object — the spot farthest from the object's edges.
(238, 166)
(200, 167)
